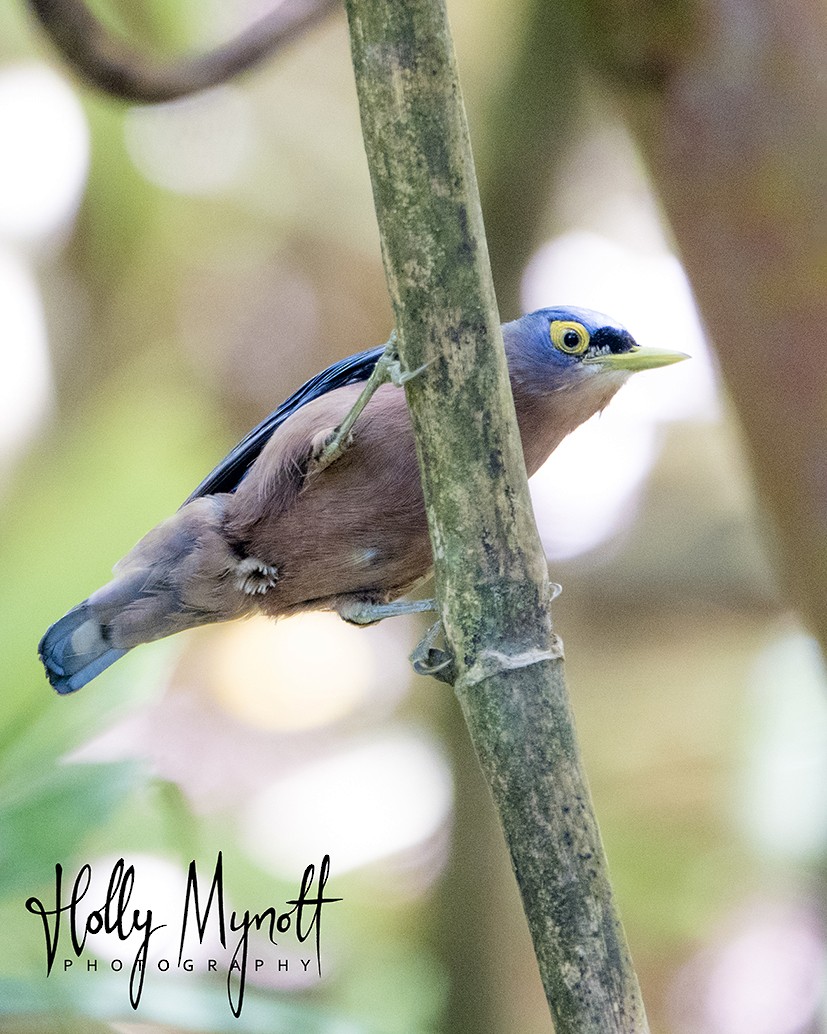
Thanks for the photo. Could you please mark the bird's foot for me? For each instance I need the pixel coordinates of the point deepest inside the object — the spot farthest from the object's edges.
(359, 612)
(427, 660)
(391, 365)
(388, 368)
(327, 446)
(254, 577)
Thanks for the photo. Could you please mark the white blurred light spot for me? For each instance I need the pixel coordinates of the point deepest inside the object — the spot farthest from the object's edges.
(765, 978)
(25, 378)
(198, 145)
(650, 295)
(364, 804)
(273, 675)
(159, 887)
(44, 140)
(766, 981)
(588, 489)
(784, 804)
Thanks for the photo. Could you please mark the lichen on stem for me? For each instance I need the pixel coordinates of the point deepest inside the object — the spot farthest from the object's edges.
(491, 576)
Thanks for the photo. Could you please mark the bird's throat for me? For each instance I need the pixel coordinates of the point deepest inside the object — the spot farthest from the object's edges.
(545, 420)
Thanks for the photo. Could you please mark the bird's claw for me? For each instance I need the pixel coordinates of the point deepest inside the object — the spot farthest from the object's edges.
(392, 364)
(439, 664)
(361, 612)
(327, 446)
(254, 577)
(426, 660)
(400, 377)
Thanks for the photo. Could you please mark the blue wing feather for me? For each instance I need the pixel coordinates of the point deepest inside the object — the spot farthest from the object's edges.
(231, 471)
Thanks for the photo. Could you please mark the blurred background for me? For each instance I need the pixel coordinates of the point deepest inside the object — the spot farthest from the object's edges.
(167, 276)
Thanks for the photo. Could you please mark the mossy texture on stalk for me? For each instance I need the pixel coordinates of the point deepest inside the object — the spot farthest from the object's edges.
(490, 571)
(437, 268)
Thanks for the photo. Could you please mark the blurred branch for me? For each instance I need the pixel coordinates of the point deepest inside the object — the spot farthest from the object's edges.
(104, 60)
(728, 102)
(530, 126)
(491, 574)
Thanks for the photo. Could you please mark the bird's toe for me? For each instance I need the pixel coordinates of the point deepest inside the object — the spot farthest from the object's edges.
(254, 577)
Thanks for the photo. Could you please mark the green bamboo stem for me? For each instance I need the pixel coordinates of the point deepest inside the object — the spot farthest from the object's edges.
(490, 571)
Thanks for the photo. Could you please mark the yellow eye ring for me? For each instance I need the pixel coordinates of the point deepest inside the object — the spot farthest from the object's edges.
(569, 337)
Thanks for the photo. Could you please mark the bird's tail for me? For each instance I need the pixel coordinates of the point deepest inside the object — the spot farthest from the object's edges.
(75, 649)
(179, 575)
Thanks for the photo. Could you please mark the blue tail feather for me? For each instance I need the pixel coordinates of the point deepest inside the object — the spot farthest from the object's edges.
(73, 654)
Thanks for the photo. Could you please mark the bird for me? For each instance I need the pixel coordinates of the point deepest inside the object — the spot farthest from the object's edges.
(274, 530)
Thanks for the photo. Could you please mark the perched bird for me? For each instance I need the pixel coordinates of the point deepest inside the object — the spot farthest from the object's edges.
(272, 530)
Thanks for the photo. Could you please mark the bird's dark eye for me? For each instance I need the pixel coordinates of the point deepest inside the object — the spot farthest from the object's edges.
(569, 336)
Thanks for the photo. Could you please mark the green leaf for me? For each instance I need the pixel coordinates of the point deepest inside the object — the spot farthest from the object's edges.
(195, 1005)
(45, 822)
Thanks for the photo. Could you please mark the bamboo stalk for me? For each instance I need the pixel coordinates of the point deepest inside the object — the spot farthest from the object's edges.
(490, 571)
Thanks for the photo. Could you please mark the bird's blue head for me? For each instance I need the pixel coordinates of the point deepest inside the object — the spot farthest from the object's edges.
(551, 350)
